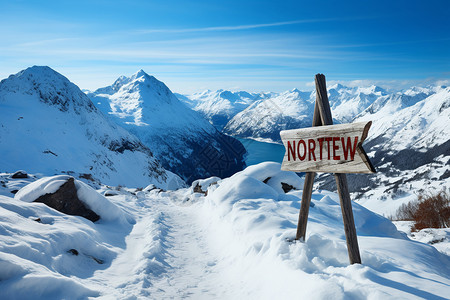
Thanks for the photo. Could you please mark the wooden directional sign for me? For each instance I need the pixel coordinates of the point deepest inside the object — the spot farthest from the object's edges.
(327, 148)
(331, 149)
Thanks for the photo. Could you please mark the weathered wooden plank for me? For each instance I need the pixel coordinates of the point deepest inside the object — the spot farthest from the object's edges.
(333, 149)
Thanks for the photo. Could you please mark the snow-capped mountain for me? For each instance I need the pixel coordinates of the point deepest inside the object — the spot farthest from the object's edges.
(294, 109)
(265, 118)
(49, 126)
(182, 139)
(347, 102)
(220, 106)
(409, 145)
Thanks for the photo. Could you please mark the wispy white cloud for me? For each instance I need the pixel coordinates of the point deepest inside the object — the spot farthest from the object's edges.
(241, 27)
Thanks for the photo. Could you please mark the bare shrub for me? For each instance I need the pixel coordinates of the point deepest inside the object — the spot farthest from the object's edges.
(433, 211)
(406, 211)
(428, 211)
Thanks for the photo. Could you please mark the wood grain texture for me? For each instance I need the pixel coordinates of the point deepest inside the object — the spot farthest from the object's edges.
(360, 163)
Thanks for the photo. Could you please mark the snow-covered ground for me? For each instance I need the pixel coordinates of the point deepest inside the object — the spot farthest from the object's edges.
(235, 242)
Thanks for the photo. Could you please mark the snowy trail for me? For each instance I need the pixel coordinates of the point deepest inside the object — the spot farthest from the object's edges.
(189, 259)
(167, 256)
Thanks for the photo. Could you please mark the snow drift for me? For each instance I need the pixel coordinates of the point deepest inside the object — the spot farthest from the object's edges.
(233, 243)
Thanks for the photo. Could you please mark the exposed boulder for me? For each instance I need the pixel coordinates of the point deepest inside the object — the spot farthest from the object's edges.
(19, 174)
(65, 200)
(202, 185)
(73, 197)
(287, 187)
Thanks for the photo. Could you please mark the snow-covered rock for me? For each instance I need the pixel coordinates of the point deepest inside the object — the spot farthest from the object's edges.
(88, 196)
(49, 126)
(182, 140)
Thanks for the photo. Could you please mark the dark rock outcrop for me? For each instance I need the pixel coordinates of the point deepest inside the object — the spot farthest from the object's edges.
(66, 200)
(19, 174)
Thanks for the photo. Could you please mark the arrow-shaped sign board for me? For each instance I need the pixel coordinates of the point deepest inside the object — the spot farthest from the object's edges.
(330, 149)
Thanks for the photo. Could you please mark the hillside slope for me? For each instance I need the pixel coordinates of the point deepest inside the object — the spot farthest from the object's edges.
(49, 126)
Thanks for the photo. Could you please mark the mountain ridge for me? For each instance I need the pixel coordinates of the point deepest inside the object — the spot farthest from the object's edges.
(181, 138)
(48, 125)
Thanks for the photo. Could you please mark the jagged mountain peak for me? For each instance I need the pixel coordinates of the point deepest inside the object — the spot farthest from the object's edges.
(179, 136)
(50, 87)
(337, 86)
(45, 71)
(39, 74)
(142, 76)
(143, 81)
(373, 89)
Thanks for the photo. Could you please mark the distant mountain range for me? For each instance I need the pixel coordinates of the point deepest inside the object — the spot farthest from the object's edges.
(220, 106)
(263, 115)
(137, 132)
(409, 142)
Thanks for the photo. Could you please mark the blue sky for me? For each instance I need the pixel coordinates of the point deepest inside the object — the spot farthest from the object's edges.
(242, 45)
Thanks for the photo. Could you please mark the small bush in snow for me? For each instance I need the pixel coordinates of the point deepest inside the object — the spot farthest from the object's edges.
(433, 211)
(428, 211)
(406, 211)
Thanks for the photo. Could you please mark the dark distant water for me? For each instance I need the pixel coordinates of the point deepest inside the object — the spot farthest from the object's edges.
(261, 151)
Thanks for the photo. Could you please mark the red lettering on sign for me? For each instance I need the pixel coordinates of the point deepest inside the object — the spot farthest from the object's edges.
(320, 146)
(311, 148)
(328, 140)
(291, 149)
(349, 147)
(301, 142)
(336, 147)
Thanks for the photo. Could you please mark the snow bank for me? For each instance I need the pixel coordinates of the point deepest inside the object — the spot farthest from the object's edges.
(90, 197)
(37, 254)
(253, 224)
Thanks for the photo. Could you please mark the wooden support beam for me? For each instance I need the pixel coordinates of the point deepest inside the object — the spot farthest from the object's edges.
(341, 179)
(307, 188)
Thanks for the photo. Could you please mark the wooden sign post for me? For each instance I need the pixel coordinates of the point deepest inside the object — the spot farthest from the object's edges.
(329, 148)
